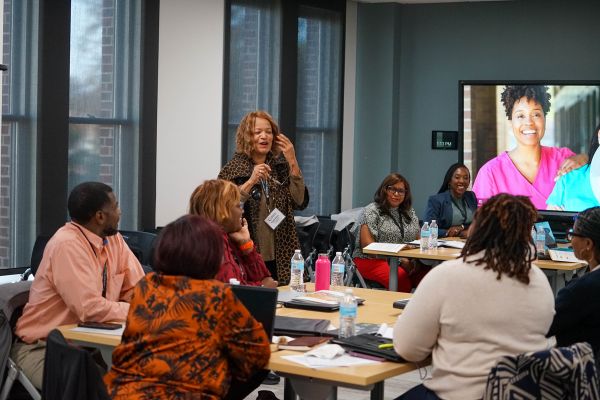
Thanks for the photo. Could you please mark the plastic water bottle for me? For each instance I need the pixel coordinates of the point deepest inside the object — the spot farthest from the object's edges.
(348, 308)
(433, 239)
(540, 241)
(297, 272)
(337, 271)
(425, 233)
(322, 272)
(533, 234)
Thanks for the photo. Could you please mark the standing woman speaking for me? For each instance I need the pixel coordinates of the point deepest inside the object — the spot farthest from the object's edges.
(265, 168)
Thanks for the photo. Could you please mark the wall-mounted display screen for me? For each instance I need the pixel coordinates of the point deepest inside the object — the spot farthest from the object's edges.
(516, 135)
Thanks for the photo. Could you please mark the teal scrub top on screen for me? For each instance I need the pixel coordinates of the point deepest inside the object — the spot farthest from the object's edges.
(573, 191)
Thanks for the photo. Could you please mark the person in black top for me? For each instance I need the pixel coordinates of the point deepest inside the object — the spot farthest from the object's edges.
(577, 317)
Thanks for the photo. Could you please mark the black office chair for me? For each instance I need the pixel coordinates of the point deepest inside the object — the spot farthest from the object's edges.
(142, 245)
(70, 372)
(306, 237)
(36, 256)
(322, 242)
(353, 277)
(13, 297)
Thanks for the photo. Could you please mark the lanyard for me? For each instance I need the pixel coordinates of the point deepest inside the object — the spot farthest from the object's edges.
(463, 210)
(398, 224)
(265, 188)
(104, 270)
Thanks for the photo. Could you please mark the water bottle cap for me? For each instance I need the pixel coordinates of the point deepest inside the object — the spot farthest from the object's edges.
(296, 251)
(321, 255)
(338, 253)
(432, 221)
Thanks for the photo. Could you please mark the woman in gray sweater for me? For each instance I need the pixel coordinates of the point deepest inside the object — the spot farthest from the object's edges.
(488, 303)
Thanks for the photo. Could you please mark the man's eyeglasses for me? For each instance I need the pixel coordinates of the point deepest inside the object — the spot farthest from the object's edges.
(397, 192)
(571, 234)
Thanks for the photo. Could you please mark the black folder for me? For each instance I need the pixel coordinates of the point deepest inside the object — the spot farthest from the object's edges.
(292, 326)
(369, 344)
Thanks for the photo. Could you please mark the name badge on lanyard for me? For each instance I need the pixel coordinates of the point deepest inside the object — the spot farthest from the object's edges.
(275, 218)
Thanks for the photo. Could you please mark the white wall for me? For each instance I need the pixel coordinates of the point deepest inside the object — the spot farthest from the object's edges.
(190, 86)
(349, 105)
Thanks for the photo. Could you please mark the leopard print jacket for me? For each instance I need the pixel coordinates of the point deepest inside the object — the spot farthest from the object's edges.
(238, 170)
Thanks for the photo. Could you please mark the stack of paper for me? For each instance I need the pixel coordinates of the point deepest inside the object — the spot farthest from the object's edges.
(563, 256)
(385, 248)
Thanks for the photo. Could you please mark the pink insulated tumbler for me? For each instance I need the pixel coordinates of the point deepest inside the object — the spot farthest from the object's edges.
(322, 271)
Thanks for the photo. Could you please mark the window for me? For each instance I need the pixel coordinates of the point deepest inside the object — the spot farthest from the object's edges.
(103, 107)
(307, 51)
(18, 135)
(318, 104)
(254, 58)
(90, 121)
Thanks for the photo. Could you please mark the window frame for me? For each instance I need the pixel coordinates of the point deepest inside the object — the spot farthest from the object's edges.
(288, 74)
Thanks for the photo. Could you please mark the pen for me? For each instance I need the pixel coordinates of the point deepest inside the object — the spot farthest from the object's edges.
(385, 346)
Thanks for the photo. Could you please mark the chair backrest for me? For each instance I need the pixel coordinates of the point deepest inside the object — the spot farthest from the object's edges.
(70, 372)
(322, 241)
(13, 297)
(306, 237)
(38, 252)
(344, 239)
(559, 373)
(141, 244)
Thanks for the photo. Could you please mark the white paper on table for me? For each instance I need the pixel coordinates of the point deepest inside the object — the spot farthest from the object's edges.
(341, 361)
(386, 331)
(387, 247)
(455, 244)
(112, 332)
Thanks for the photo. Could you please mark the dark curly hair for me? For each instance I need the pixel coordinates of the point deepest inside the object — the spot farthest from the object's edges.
(511, 94)
(588, 225)
(380, 197)
(502, 230)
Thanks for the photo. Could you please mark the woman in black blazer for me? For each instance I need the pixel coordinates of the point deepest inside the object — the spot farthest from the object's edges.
(453, 207)
(577, 317)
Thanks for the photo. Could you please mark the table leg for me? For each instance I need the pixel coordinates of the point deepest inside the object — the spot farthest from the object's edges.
(377, 391)
(288, 390)
(294, 388)
(393, 261)
(552, 276)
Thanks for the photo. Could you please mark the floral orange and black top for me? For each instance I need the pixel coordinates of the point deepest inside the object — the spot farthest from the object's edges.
(185, 338)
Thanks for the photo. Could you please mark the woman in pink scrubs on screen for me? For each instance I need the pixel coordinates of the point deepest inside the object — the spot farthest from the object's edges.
(529, 169)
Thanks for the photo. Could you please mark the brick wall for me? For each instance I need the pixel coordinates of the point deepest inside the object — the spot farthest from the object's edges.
(106, 140)
(5, 145)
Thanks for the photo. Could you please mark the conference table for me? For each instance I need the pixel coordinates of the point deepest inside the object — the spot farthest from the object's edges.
(309, 383)
(558, 273)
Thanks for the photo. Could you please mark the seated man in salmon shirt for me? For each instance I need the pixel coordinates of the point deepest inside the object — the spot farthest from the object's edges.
(87, 273)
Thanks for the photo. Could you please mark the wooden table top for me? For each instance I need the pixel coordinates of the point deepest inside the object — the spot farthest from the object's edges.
(447, 253)
(376, 309)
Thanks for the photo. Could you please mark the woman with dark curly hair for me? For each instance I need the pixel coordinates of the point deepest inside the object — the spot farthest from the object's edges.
(488, 303)
(577, 316)
(529, 169)
(389, 219)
